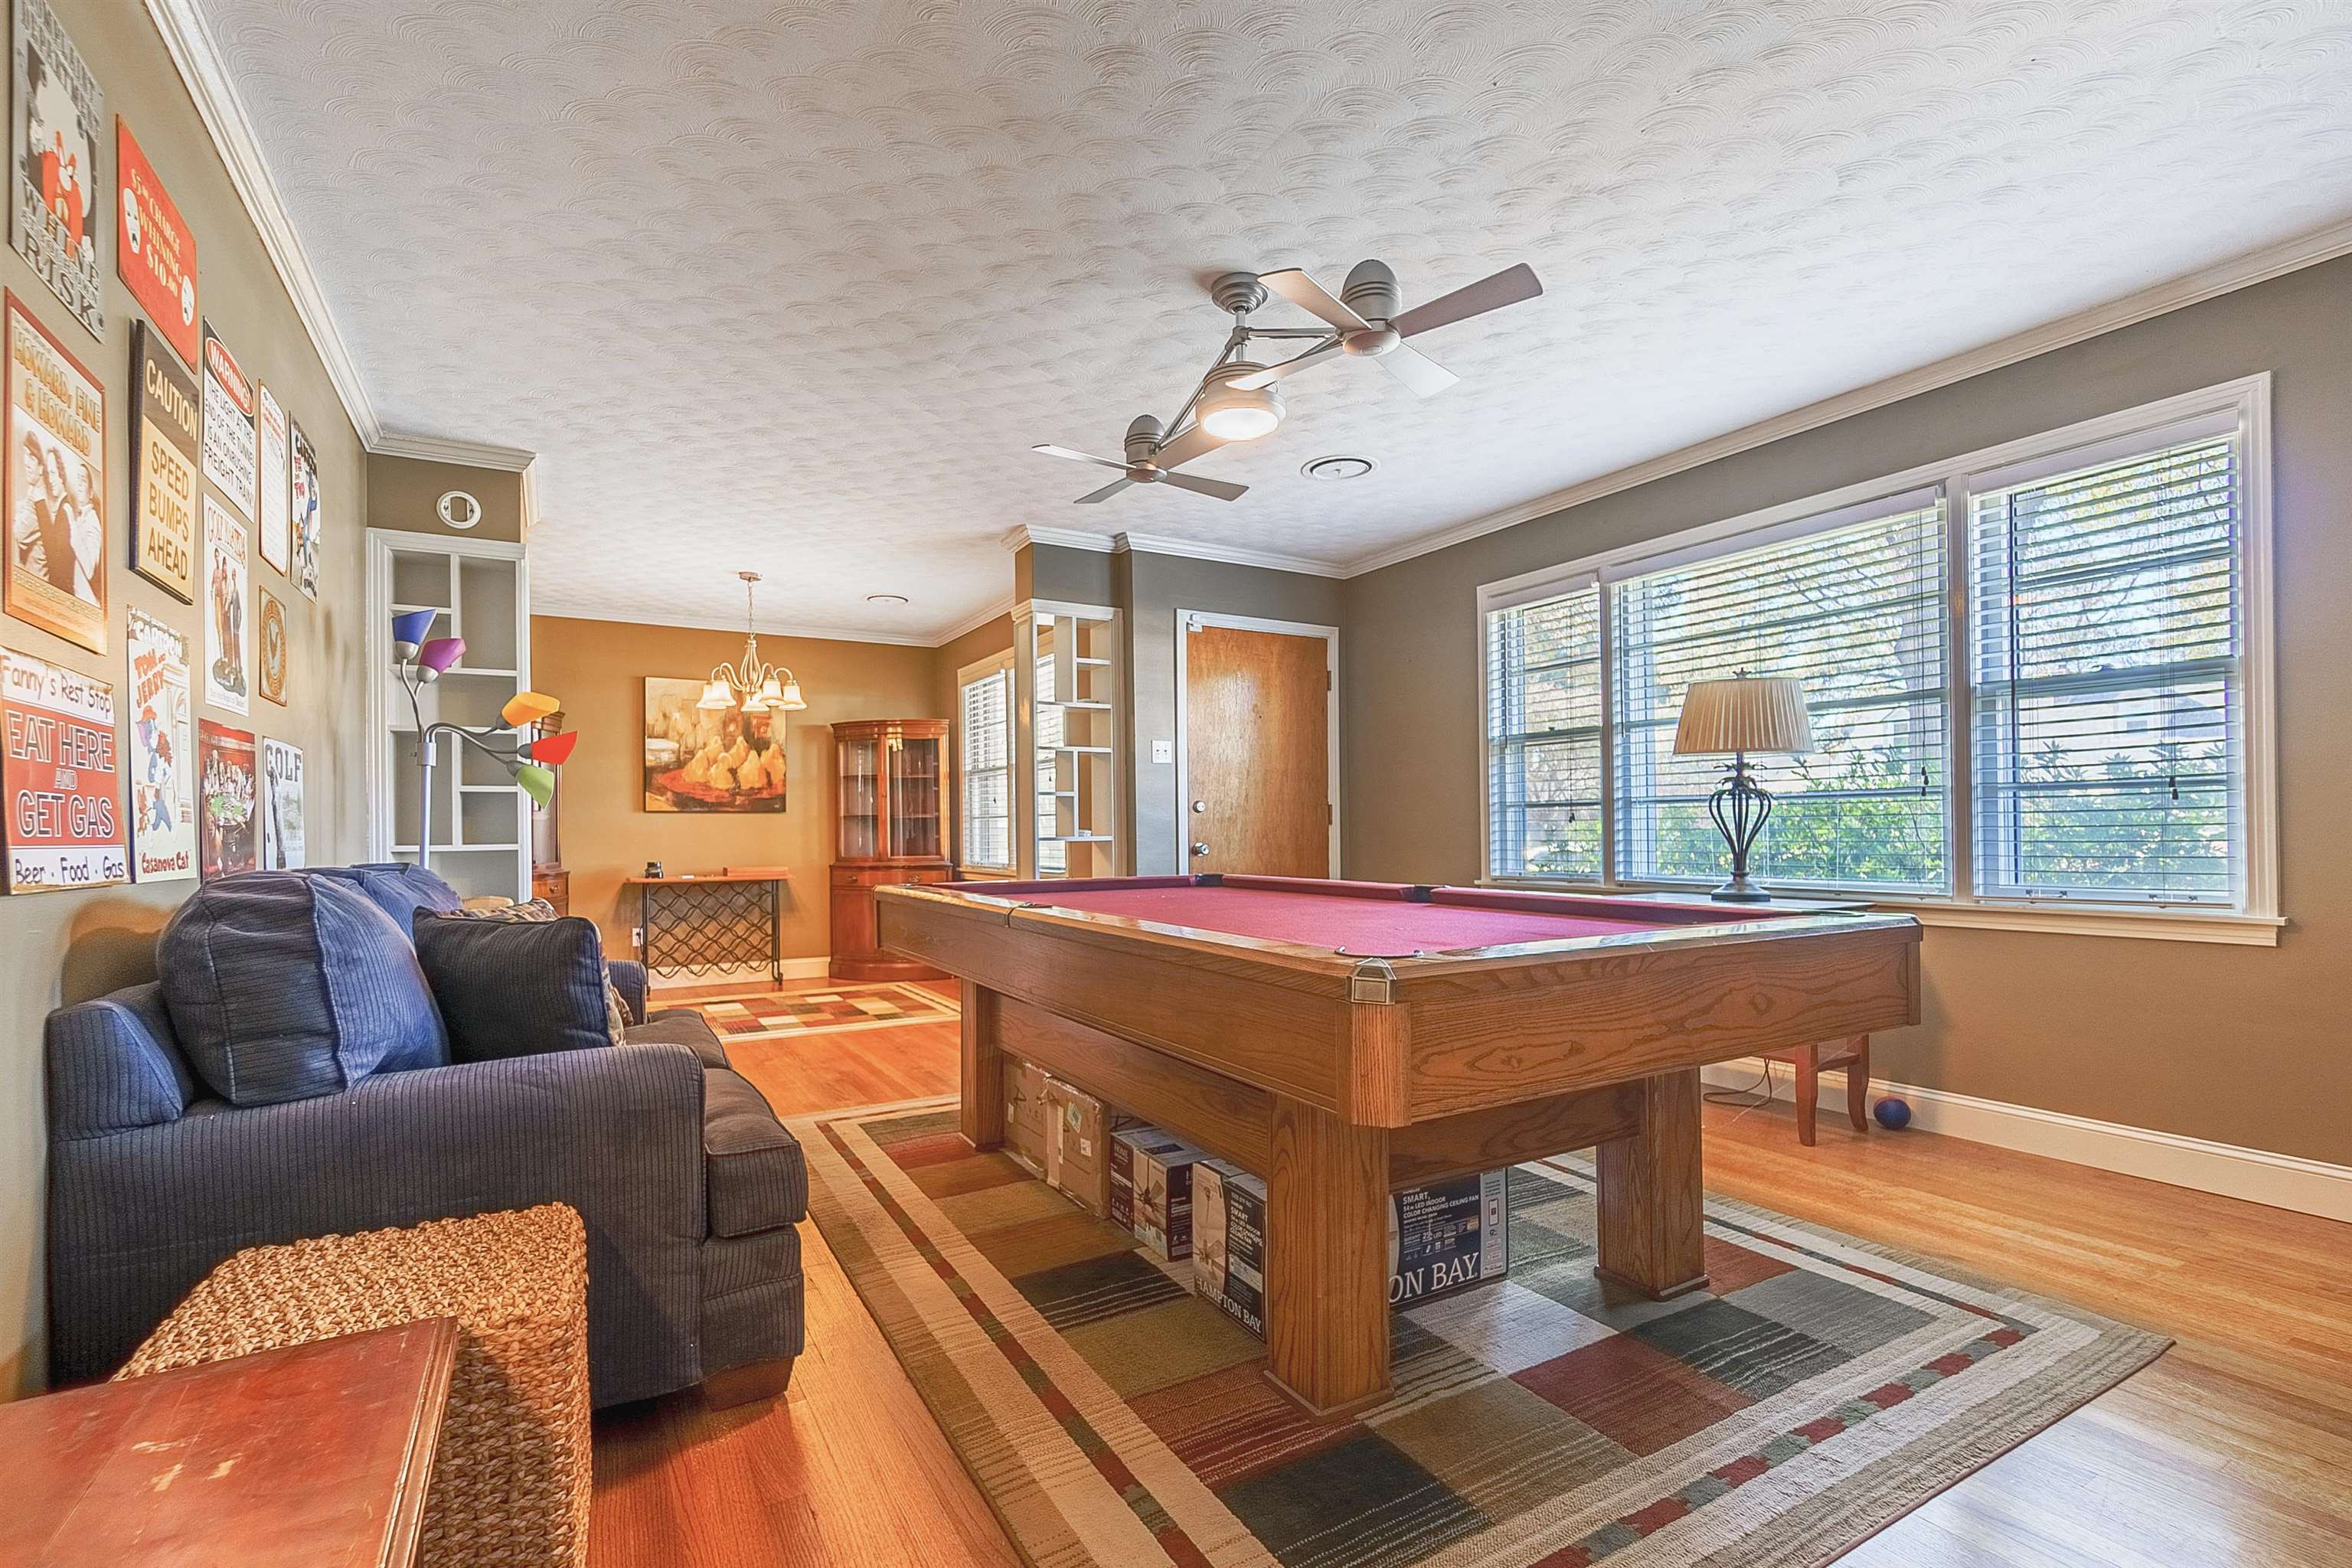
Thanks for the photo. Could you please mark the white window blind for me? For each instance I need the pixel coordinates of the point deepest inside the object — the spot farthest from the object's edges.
(988, 771)
(1543, 737)
(2107, 683)
(1858, 610)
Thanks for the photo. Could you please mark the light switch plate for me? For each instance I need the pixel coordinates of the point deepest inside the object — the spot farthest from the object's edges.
(1163, 751)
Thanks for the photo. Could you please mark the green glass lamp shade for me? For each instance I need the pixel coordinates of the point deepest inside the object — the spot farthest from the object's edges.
(553, 750)
(408, 630)
(536, 781)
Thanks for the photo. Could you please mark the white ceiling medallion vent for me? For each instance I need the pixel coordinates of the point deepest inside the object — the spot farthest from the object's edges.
(1338, 465)
(888, 601)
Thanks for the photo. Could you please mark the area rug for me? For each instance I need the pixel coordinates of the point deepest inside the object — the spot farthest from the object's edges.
(1818, 1389)
(776, 1015)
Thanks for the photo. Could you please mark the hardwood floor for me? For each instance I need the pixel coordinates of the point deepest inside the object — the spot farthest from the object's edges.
(2235, 1448)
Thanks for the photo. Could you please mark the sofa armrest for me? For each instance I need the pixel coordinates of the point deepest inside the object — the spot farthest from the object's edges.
(629, 980)
(137, 1217)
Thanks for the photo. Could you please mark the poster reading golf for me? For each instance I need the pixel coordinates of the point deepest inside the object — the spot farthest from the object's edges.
(57, 772)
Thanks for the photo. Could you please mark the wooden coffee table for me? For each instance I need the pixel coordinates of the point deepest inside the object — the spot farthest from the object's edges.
(316, 1455)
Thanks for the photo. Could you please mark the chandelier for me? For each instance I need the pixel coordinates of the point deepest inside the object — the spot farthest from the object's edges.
(753, 686)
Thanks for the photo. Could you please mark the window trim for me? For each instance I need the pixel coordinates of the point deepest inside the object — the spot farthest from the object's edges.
(980, 670)
(2244, 403)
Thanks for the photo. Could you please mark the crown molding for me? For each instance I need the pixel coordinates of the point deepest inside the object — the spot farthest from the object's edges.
(198, 57)
(971, 623)
(443, 450)
(1022, 533)
(766, 629)
(1232, 554)
(2161, 299)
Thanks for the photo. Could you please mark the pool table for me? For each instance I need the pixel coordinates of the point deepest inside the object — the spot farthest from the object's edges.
(1343, 1039)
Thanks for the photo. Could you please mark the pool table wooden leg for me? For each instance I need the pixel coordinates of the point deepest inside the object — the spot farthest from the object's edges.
(1652, 1208)
(1327, 1249)
(983, 1069)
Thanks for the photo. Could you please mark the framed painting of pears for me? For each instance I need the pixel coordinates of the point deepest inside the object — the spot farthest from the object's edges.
(710, 759)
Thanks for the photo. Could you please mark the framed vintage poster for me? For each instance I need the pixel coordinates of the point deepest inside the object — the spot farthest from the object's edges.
(58, 774)
(228, 799)
(304, 490)
(228, 589)
(163, 753)
(281, 806)
(54, 138)
(164, 488)
(705, 759)
(153, 249)
(231, 455)
(274, 519)
(269, 648)
(57, 553)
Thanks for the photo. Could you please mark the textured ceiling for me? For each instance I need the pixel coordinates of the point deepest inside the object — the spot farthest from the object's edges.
(794, 286)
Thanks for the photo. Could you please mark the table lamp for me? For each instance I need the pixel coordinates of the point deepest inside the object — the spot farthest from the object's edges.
(1732, 718)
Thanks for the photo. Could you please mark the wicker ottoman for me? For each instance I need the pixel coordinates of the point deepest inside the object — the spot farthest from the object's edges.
(510, 1479)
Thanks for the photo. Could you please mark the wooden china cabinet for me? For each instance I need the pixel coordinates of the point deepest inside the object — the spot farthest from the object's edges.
(888, 804)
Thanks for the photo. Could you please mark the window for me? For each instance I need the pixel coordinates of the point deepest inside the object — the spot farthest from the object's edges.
(2038, 675)
(987, 772)
(2108, 686)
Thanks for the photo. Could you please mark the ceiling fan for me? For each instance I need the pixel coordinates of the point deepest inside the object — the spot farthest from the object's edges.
(1238, 399)
(1366, 321)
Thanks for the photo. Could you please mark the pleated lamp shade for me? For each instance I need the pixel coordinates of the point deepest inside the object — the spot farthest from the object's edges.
(1748, 714)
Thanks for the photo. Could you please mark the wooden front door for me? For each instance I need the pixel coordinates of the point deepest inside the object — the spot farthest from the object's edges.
(1257, 786)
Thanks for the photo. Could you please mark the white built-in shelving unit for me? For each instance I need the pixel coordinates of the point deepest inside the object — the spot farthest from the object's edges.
(1065, 720)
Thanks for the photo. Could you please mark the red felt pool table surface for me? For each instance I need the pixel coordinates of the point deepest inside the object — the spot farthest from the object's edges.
(1366, 920)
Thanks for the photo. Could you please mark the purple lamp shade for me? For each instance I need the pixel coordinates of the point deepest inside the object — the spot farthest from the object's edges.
(435, 657)
(408, 629)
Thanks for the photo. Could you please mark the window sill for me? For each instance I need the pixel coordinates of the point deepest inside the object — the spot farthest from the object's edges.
(2227, 928)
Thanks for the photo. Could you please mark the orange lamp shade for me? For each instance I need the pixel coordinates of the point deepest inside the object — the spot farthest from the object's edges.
(553, 750)
(527, 707)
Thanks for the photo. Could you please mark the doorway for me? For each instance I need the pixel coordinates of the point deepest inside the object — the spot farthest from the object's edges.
(1257, 739)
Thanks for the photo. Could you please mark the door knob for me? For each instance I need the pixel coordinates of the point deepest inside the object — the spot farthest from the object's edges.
(1199, 806)
(1199, 850)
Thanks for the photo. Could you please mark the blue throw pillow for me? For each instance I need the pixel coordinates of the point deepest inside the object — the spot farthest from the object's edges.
(515, 988)
(284, 986)
(398, 888)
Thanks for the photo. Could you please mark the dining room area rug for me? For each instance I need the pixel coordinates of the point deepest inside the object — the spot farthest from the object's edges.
(1820, 1387)
(825, 1009)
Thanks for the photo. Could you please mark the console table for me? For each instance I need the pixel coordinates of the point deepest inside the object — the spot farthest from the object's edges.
(699, 925)
(314, 1453)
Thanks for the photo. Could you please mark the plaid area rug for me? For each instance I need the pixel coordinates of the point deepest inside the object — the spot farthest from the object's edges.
(1820, 1388)
(770, 1016)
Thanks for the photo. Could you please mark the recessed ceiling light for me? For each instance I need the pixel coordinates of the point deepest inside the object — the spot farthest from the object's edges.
(886, 598)
(1338, 466)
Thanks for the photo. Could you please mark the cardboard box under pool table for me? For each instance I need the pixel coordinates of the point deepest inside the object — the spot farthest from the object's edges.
(1441, 1239)
(1151, 1189)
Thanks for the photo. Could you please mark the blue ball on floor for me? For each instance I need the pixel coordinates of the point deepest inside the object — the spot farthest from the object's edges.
(1893, 1115)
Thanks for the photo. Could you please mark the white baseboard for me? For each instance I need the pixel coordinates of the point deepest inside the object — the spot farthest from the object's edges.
(2257, 1175)
(740, 973)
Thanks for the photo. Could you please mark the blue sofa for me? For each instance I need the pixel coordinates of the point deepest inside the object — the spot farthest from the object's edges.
(689, 1187)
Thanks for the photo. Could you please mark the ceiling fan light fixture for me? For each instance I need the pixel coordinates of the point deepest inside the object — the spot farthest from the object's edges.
(1233, 413)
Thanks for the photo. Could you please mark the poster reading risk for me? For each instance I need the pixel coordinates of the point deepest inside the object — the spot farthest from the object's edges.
(163, 488)
(228, 590)
(56, 467)
(307, 523)
(57, 772)
(274, 519)
(163, 753)
(281, 806)
(153, 247)
(55, 217)
(229, 801)
(231, 457)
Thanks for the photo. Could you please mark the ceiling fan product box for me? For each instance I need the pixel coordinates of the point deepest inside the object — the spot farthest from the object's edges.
(1445, 1237)
(1077, 1158)
(1027, 1119)
(1151, 1189)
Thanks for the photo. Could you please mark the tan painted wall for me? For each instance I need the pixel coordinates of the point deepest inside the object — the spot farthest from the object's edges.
(406, 493)
(62, 947)
(597, 669)
(2245, 1045)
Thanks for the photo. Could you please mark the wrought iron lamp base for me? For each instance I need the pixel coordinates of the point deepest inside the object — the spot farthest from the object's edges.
(1740, 808)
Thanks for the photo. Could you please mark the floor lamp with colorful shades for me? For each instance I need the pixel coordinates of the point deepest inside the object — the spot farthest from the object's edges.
(529, 757)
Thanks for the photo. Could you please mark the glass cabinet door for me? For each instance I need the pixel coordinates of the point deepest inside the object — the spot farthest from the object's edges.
(861, 803)
(914, 797)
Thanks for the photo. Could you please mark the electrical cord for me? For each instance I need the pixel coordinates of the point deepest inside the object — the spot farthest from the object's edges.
(1744, 1099)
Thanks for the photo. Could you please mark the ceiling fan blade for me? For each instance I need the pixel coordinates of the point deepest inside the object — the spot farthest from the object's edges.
(1292, 366)
(1221, 489)
(1424, 376)
(1186, 446)
(1508, 287)
(1080, 456)
(1105, 493)
(1310, 296)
